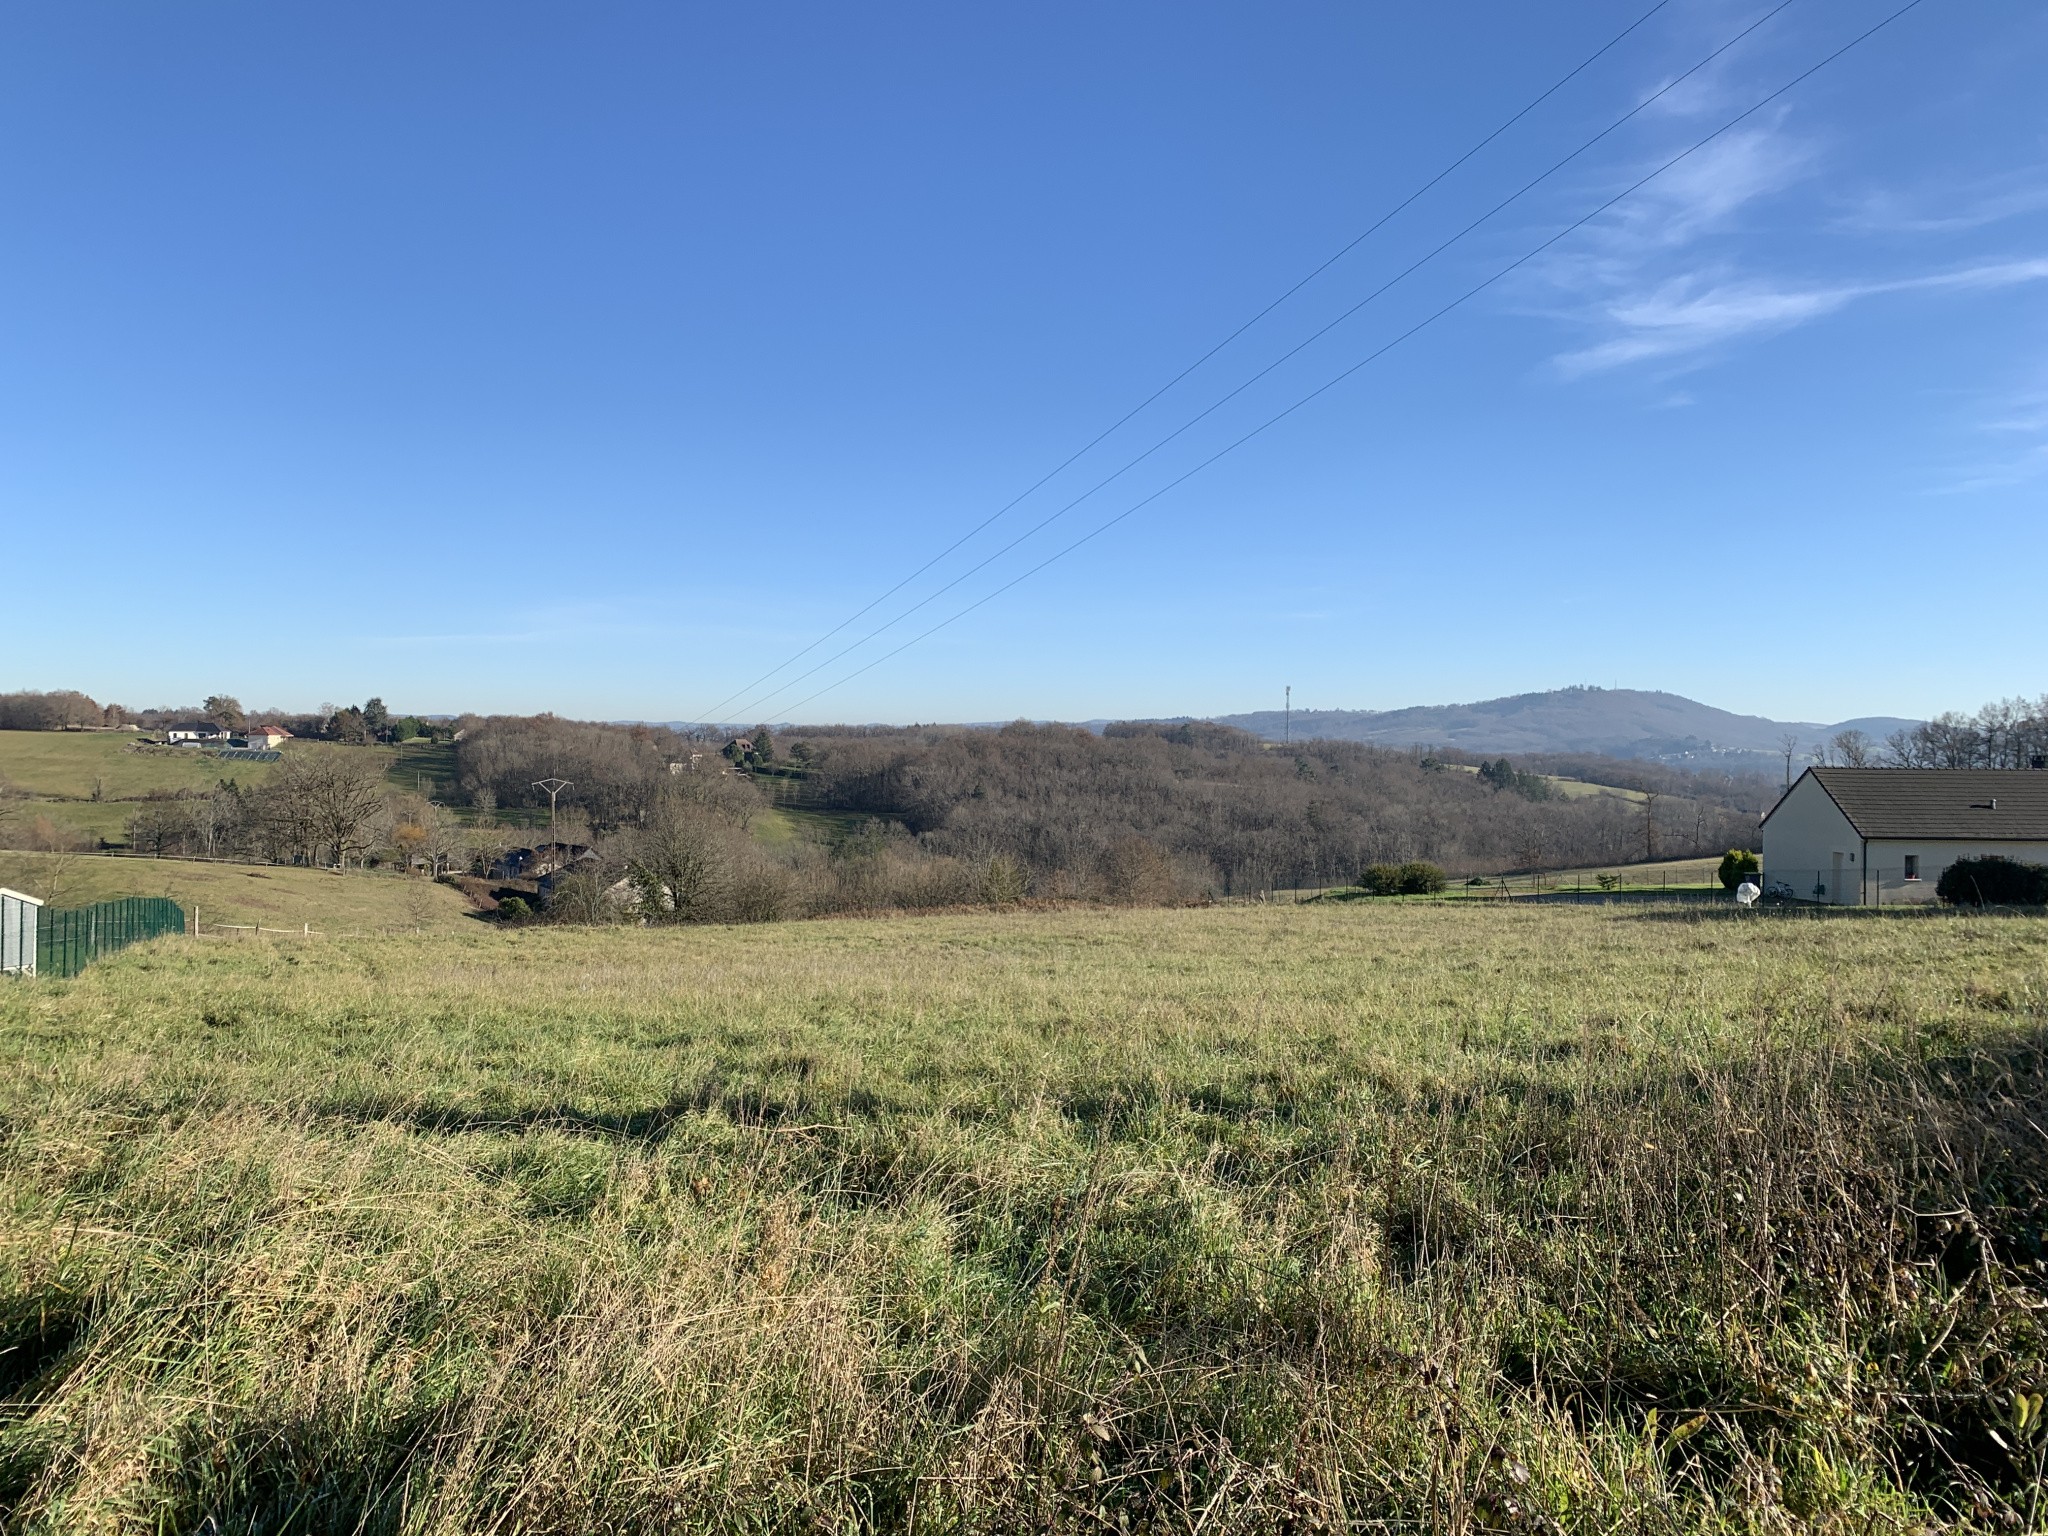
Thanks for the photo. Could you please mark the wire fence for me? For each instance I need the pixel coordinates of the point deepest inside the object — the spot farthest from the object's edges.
(1852, 885)
(70, 939)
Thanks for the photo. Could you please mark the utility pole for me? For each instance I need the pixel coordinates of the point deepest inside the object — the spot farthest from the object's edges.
(1287, 729)
(553, 787)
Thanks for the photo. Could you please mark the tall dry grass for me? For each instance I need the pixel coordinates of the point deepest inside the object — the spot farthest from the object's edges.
(1227, 1220)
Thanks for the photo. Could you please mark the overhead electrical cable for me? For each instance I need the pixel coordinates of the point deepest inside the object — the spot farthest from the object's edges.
(1338, 255)
(1215, 405)
(1375, 354)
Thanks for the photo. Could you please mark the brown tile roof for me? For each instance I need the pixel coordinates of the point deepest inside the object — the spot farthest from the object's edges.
(1984, 804)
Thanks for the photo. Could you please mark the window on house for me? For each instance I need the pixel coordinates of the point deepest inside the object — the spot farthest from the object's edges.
(1912, 866)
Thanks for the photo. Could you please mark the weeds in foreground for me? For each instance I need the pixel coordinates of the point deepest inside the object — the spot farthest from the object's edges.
(1318, 1219)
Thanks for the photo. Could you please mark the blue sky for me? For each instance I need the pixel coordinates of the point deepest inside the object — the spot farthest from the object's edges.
(508, 356)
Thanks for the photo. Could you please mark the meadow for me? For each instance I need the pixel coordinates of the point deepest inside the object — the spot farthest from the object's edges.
(87, 784)
(1356, 1217)
(246, 895)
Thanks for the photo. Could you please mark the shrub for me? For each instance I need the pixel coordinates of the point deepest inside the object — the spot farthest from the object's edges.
(1415, 878)
(1737, 865)
(1002, 881)
(1422, 879)
(1993, 881)
(513, 909)
(1381, 879)
(583, 897)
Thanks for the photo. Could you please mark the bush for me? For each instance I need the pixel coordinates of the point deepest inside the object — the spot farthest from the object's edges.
(1415, 878)
(1422, 879)
(513, 909)
(583, 897)
(1993, 881)
(1003, 882)
(1381, 879)
(1737, 865)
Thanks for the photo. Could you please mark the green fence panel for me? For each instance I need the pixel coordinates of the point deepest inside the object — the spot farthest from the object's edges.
(68, 939)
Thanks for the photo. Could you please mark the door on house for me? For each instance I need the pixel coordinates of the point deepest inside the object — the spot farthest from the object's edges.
(1836, 890)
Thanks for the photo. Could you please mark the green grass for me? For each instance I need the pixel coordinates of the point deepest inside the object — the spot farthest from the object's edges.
(1569, 789)
(1449, 1218)
(774, 827)
(58, 771)
(422, 767)
(63, 765)
(267, 895)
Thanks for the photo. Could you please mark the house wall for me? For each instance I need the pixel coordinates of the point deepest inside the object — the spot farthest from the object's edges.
(1888, 863)
(1802, 836)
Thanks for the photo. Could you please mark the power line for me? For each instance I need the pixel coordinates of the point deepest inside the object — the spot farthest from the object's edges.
(1372, 356)
(1225, 399)
(1339, 254)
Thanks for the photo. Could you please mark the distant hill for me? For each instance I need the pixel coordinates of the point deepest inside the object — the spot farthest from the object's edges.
(1620, 722)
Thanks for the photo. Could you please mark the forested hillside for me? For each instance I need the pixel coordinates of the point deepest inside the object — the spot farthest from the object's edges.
(1234, 813)
(1617, 722)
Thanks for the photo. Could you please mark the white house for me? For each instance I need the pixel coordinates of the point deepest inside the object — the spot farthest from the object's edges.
(1874, 836)
(188, 732)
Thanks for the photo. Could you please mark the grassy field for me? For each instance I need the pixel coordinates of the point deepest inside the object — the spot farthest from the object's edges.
(58, 773)
(1698, 875)
(64, 765)
(1570, 789)
(267, 895)
(1675, 874)
(1453, 1218)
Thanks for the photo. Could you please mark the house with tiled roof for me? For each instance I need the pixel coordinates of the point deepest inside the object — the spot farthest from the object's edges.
(1875, 836)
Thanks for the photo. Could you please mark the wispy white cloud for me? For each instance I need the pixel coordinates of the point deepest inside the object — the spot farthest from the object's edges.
(1693, 312)
(2026, 413)
(2022, 415)
(1950, 211)
(1669, 274)
(1627, 257)
(2014, 469)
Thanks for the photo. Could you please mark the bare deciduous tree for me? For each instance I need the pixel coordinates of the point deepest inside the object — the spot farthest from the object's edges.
(1852, 749)
(675, 867)
(325, 807)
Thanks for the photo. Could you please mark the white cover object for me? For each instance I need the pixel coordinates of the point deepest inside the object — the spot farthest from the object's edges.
(18, 915)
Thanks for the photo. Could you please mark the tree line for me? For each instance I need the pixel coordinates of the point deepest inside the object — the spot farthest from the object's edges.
(2006, 733)
(1227, 813)
(937, 816)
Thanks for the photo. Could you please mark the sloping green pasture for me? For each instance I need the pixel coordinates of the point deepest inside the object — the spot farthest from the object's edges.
(90, 782)
(266, 895)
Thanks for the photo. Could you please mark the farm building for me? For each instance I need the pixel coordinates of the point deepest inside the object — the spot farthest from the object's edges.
(267, 737)
(1874, 836)
(536, 863)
